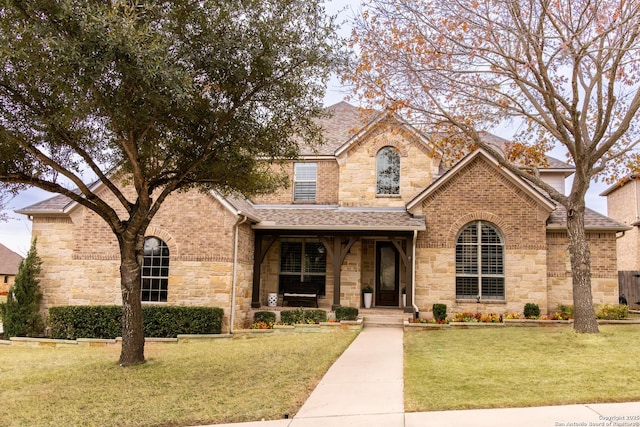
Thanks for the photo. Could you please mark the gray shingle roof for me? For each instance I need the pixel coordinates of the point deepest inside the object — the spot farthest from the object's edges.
(341, 124)
(337, 218)
(592, 221)
(9, 261)
(54, 205)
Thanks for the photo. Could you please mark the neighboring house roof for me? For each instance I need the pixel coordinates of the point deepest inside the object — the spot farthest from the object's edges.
(9, 261)
(335, 218)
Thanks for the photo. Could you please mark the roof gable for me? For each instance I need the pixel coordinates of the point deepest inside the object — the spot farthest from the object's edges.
(467, 160)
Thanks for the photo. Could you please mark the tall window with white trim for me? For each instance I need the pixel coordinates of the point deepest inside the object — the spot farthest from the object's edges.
(480, 262)
(388, 171)
(304, 182)
(155, 270)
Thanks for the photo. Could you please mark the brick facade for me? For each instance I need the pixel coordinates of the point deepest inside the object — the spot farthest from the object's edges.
(81, 261)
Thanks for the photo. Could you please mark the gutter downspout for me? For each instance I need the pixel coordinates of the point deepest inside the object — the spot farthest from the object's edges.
(234, 280)
(635, 183)
(413, 272)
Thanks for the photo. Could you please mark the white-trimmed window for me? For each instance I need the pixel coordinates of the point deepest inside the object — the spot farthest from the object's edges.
(303, 261)
(388, 171)
(304, 182)
(155, 270)
(480, 262)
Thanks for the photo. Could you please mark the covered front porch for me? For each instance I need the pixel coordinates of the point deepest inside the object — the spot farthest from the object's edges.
(290, 266)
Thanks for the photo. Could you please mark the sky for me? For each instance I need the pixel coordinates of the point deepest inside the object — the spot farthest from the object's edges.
(16, 232)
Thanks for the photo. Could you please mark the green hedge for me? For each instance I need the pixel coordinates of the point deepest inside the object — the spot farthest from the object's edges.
(346, 313)
(71, 322)
(293, 317)
(264, 316)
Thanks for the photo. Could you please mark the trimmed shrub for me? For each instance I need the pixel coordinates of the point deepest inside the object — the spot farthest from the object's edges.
(612, 311)
(440, 311)
(169, 322)
(346, 313)
(85, 321)
(315, 316)
(264, 316)
(293, 317)
(531, 310)
(105, 322)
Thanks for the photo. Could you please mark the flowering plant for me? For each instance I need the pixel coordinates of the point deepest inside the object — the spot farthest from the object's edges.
(513, 316)
(261, 325)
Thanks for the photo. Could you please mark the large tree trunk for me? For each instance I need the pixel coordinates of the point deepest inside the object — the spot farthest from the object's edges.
(584, 314)
(132, 327)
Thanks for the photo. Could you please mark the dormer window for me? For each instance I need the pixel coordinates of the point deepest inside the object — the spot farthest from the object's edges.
(304, 182)
(388, 171)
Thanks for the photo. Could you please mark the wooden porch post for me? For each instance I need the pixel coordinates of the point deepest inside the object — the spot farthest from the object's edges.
(257, 262)
(407, 258)
(338, 254)
(258, 256)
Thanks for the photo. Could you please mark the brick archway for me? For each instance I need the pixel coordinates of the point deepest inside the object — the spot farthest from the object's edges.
(168, 239)
(457, 225)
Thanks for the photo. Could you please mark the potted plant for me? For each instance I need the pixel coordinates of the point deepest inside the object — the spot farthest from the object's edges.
(367, 293)
(404, 297)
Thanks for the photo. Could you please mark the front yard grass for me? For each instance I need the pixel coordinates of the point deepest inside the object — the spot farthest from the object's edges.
(180, 385)
(519, 367)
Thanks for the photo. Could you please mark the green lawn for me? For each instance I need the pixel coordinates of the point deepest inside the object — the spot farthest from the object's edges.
(518, 367)
(180, 385)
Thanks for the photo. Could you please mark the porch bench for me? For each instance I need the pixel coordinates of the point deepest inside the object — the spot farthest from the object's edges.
(300, 292)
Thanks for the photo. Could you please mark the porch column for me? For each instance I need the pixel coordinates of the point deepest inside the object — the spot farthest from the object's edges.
(257, 262)
(409, 274)
(338, 254)
(259, 253)
(407, 258)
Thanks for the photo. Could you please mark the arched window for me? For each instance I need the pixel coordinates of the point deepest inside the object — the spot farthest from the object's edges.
(155, 270)
(388, 171)
(480, 262)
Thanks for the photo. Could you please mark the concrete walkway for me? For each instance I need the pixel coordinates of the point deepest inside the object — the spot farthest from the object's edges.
(364, 388)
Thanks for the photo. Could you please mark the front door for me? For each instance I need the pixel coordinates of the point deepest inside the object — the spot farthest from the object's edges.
(387, 275)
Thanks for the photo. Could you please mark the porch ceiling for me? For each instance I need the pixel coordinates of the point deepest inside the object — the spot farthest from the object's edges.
(337, 218)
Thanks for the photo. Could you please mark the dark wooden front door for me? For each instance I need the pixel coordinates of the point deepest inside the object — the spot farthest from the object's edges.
(387, 275)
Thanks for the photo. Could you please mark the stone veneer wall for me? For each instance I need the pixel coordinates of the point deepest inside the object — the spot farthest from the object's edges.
(622, 206)
(358, 170)
(81, 259)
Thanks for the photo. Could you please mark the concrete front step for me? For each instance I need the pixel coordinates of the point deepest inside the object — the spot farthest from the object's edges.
(384, 319)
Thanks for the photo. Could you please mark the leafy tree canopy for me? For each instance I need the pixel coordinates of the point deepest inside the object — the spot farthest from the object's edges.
(564, 72)
(175, 93)
(168, 95)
